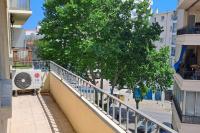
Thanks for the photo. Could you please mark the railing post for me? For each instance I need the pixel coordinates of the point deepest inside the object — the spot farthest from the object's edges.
(93, 95)
(158, 129)
(113, 105)
(127, 118)
(136, 122)
(81, 87)
(120, 113)
(102, 101)
(108, 104)
(90, 94)
(98, 102)
(146, 125)
(79, 84)
(86, 91)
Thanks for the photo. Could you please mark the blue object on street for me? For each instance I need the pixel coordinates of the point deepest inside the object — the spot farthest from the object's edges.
(137, 93)
(148, 96)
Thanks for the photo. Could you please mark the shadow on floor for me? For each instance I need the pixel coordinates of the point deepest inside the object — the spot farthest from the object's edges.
(56, 118)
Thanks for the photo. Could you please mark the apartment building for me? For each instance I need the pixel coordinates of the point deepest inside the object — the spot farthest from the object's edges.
(186, 101)
(13, 13)
(80, 106)
(168, 21)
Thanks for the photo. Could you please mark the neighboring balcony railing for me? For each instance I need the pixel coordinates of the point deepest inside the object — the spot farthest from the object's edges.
(19, 4)
(190, 75)
(186, 118)
(187, 30)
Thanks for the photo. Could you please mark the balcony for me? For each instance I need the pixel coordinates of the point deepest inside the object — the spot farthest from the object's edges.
(189, 36)
(86, 107)
(185, 118)
(187, 30)
(20, 11)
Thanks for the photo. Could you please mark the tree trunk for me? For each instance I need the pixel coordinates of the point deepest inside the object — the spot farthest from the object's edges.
(112, 90)
(137, 104)
(101, 84)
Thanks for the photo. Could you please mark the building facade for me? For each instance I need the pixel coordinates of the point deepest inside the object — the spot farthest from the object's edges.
(186, 100)
(13, 13)
(168, 21)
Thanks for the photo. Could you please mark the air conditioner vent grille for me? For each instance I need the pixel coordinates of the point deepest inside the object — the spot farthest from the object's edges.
(23, 80)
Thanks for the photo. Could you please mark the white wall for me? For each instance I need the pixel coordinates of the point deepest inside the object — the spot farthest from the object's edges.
(4, 43)
(18, 37)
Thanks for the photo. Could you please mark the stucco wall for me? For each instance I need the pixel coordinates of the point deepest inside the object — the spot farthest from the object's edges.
(46, 85)
(81, 116)
(4, 52)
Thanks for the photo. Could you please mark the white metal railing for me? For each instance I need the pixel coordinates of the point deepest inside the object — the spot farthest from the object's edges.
(128, 118)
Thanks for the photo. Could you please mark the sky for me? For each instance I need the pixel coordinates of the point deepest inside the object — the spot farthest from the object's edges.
(37, 15)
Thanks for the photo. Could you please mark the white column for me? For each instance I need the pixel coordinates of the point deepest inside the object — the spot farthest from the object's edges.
(5, 83)
(3, 126)
(4, 43)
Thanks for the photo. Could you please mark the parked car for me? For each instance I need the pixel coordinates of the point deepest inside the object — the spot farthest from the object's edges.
(150, 128)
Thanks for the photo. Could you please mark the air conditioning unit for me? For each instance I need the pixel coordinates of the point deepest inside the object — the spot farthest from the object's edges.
(27, 79)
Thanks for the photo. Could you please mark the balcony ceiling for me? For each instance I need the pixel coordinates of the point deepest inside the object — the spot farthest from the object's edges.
(20, 16)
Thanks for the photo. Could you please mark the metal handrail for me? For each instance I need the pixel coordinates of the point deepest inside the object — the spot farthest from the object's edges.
(108, 103)
(190, 75)
(188, 30)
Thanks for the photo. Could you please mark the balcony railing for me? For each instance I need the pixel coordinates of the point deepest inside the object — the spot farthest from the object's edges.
(128, 118)
(186, 118)
(20, 5)
(187, 30)
(190, 75)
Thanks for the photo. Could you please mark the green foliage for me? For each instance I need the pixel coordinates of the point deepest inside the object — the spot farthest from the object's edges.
(89, 35)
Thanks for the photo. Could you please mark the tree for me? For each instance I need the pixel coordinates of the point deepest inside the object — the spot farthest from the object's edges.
(111, 37)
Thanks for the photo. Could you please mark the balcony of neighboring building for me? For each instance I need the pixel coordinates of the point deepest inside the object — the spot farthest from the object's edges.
(20, 11)
(68, 103)
(189, 34)
(187, 67)
(185, 110)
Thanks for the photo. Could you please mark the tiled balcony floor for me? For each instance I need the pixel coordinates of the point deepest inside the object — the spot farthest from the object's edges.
(37, 114)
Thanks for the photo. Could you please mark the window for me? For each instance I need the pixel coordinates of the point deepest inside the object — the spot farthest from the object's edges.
(162, 18)
(173, 51)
